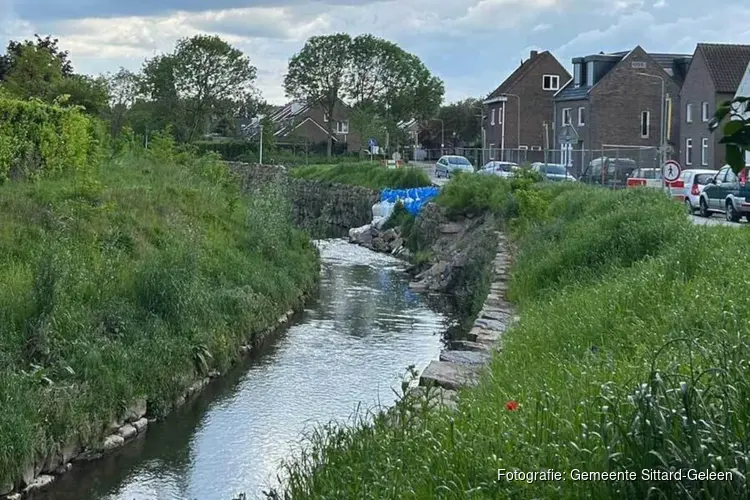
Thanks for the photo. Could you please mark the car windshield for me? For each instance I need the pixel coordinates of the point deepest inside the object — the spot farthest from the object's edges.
(703, 179)
(552, 169)
(499, 166)
(458, 161)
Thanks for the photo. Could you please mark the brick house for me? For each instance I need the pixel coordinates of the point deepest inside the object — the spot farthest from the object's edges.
(306, 124)
(516, 112)
(616, 100)
(714, 76)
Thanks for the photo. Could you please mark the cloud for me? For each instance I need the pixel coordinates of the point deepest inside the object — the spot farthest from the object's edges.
(471, 44)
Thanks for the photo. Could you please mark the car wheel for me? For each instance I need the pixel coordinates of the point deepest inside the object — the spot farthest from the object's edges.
(704, 208)
(689, 206)
(731, 213)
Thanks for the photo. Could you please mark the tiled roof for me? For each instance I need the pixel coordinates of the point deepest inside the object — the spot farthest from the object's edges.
(573, 93)
(516, 76)
(726, 64)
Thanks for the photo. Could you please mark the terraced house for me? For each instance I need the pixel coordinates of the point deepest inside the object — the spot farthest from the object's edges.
(715, 74)
(613, 107)
(518, 113)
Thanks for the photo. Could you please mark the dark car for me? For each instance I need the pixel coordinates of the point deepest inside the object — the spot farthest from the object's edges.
(727, 193)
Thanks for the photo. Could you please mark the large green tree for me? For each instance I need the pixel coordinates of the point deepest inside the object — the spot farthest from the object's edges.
(734, 119)
(123, 91)
(318, 73)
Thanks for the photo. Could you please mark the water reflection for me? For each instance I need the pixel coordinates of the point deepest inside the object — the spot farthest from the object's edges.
(350, 346)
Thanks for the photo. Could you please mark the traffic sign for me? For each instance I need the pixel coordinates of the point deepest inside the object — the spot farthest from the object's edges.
(372, 143)
(671, 170)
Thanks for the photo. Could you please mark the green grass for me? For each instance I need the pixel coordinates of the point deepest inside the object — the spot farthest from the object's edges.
(130, 284)
(632, 353)
(369, 175)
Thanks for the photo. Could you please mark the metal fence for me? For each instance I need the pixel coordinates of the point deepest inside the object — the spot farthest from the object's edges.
(609, 165)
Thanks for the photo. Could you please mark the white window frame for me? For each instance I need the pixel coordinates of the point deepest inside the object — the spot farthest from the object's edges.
(704, 111)
(689, 113)
(581, 116)
(704, 151)
(523, 148)
(536, 148)
(688, 151)
(492, 149)
(342, 127)
(325, 117)
(568, 112)
(554, 82)
(492, 119)
(647, 115)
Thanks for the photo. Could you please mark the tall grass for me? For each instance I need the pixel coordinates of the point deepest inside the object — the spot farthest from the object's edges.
(130, 284)
(369, 175)
(631, 354)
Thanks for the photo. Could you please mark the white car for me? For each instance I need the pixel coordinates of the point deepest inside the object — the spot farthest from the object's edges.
(447, 165)
(499, 168)
(695, 182)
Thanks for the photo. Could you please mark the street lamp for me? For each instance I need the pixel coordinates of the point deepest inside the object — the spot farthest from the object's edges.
(518, 122)
(662, 118)
(260, 149)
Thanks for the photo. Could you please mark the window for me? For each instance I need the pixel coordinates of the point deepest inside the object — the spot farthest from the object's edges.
(688, 151)
(577, 71)
(704, 151)
(590, 74)
(689, 113)
(342, 127)
(492, 120)
(566, 116)
(500, 115)
(645, 124)
(536, 148)
(704, 111)
(581, 116)
(492, 151)
(325, 117)
(550, 82)
(523, 148)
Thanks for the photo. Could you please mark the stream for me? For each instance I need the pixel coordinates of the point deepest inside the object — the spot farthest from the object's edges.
(348, 350)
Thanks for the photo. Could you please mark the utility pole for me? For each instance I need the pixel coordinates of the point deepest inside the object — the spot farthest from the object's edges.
(260, 149)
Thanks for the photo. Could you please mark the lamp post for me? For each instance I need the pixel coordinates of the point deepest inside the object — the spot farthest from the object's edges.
(260, 148)
(662, 119)
(518, 122)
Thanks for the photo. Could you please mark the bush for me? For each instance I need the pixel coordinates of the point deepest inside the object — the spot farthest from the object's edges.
(631, 354)
(369, 175)
(41, 140)
(135, 287)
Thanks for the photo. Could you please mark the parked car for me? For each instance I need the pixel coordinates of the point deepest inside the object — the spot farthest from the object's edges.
(554, 172)
(449, 164)
(694, 182)
(726, 193)
(645, 177)
(611, 172)
(499, 168)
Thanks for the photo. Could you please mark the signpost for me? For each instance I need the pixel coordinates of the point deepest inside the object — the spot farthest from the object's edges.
(670, 172)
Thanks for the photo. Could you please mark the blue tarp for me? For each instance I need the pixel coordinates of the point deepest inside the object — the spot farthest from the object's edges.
(413, 199)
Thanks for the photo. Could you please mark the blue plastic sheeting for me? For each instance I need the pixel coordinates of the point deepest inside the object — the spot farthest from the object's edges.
(413, 199)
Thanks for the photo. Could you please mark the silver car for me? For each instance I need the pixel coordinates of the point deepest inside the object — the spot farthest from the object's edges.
(695, 182)
(499, 168)
(553, 171)
(447, 165)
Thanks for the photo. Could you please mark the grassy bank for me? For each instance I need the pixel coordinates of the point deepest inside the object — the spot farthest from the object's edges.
(369, 175)
(631, 354)
(130, 283)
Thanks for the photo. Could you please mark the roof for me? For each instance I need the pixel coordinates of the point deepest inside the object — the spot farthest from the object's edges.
(672, 64)
(519, 73)
(726, 64)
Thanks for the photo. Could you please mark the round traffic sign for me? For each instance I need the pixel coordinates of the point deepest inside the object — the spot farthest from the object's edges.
(670, 171)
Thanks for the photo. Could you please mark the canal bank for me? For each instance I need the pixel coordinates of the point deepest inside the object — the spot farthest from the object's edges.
(350, 346)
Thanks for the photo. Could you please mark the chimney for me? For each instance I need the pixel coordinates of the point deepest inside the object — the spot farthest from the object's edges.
(534, 53)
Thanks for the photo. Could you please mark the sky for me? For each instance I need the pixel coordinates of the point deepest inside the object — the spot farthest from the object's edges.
(473, 45)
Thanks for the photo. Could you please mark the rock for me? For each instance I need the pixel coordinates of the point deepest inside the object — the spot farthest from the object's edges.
(397, 245)
(6, 488)
(491, 324)
(28, 474)
(127, 431)
(140, 425)
(465, 357)
(389, 235)
(88, 455)
(63, 469)
(450, 228)
(468, 345)
(449, 375)
(39, 483)
(70, 450)
(435, 396)
(135, 411)
(112, 442)
(418, 286)
(494, 314)
(214, 374)
(379, 245)
(14, 496)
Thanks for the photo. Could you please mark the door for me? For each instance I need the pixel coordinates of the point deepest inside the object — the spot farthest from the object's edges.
(730, 186)
(714, 191)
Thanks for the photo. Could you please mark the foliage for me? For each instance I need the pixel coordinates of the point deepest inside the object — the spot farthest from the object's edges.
(455, 124)
(735, 115)
(638, 362)
(38, 139)
(47, 44)
(134, 288)
(365, 174)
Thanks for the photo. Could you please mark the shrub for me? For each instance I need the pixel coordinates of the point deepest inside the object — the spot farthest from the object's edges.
(369, 175)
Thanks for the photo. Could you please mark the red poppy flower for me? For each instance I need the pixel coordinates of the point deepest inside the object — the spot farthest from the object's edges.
(511, 406)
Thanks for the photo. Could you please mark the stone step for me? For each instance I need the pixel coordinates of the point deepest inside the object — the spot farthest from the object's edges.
(452, 376)
(468, 345)
(465, 357)
(495, 314)
(492, 324)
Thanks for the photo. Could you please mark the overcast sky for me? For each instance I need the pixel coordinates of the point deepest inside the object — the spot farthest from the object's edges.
(471, 44)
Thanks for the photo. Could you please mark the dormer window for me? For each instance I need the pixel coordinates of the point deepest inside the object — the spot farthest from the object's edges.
(577, 74)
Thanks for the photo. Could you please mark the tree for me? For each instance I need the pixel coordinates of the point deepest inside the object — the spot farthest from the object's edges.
(160, 106)
(48, 44)
(123, 88)
(735, 115)
(318, 73)
(89, 92)
(34, 72)
(460, 124)
(212, 78)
